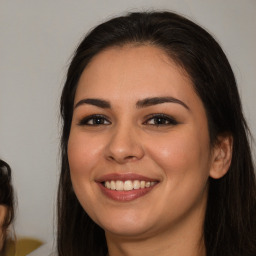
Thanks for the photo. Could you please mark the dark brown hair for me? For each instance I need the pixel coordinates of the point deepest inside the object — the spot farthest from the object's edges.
(6, 196)
(229, 227)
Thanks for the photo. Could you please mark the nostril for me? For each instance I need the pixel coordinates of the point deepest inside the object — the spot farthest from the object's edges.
(122, 159)
(130, 157)
(111, 158)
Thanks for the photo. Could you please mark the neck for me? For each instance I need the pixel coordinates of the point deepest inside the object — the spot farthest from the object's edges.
(180, 247)
(183, 239)
(181, 242)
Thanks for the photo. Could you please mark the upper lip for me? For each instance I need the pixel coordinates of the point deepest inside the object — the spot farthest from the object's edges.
(124, 177)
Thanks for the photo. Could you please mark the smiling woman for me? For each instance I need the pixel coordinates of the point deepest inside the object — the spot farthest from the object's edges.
(155, 153)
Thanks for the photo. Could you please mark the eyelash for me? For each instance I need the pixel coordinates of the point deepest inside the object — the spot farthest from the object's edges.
(93, 118)
(168, 120)
(158, 119)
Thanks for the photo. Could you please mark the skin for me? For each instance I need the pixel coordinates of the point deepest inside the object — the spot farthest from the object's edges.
(176, 154)
(3, 212)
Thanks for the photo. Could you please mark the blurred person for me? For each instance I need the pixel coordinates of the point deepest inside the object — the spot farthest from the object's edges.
(6, 204)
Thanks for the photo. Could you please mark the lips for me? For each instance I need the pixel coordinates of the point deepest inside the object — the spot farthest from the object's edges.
(125, 187)
(128, 184)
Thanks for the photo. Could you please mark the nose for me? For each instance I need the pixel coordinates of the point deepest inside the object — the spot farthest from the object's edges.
(124, 145)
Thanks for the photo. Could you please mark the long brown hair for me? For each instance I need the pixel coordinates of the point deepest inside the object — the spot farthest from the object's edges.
(230, 222)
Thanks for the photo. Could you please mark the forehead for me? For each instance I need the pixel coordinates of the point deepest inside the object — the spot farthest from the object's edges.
(134, 71)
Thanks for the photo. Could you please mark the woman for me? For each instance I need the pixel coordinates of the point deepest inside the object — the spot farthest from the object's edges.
(6, 203)
(155, 151)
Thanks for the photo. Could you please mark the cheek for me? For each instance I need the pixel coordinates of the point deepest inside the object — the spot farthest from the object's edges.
(83, 154)
(182, 154)
(184, 160)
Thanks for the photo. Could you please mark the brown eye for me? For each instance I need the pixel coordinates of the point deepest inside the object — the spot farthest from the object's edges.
(161, 120)
(94, 120)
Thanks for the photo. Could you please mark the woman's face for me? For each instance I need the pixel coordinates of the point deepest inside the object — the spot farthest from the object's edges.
(139, 149)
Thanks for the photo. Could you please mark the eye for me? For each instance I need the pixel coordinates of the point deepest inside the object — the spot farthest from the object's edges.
(94, 120)
(160, 120)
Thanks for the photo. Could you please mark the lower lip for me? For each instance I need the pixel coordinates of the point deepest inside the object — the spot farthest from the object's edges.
(124, 196)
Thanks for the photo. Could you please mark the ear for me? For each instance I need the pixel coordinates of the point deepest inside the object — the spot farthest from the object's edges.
(221, 156)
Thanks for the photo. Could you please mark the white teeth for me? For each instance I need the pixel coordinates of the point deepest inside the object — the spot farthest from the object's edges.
(136, 184)
(107, 184)
(119, 185)
(128, 184)
(112, 185)
(142, 184)
(147, 184)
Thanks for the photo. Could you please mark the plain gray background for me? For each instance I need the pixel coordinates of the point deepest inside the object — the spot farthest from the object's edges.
(37, 39)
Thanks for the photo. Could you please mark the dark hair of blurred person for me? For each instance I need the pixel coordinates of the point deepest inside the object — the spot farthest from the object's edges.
(6, 203)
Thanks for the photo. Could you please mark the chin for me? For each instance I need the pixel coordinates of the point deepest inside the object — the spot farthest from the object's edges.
(126, 226)
(126, 231)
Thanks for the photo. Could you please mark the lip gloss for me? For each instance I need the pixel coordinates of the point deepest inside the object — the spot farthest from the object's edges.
(124, 196)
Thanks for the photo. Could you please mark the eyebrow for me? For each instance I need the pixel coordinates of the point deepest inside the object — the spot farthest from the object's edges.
(159, 100)
(95, 102)
(140, 104)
